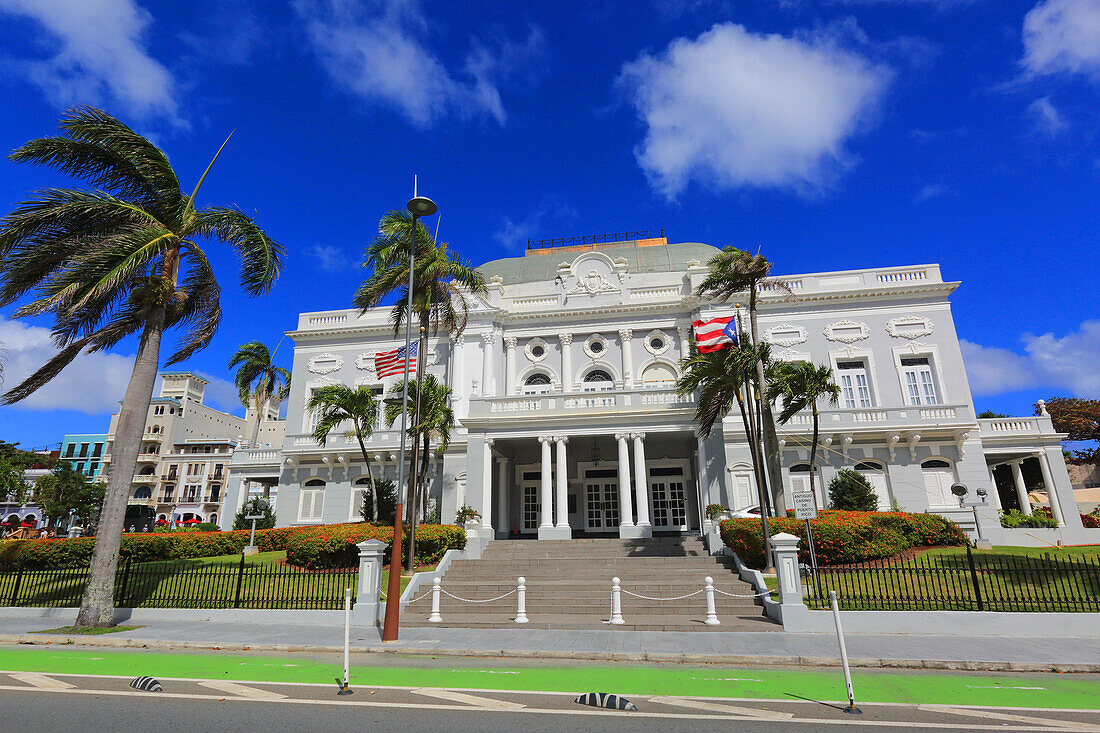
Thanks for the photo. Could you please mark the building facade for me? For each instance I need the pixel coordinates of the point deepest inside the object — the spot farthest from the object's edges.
(85, 453)
(569, 423)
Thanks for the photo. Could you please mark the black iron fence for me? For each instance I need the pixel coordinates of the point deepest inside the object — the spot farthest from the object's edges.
(590, 239)
(187, 584)
(961, 583)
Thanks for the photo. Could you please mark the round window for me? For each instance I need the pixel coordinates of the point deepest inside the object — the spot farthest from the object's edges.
(657, 343)
(537, 351)
(596, 347)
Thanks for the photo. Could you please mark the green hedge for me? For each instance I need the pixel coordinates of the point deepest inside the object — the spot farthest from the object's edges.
(841, 538)
(334, 546)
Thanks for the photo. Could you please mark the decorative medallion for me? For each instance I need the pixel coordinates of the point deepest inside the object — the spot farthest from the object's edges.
(847, 332)
(592, 283)
(595, 346)
(325, 363)
(785, 335)
(536, 349)
(909, 327)
(365, 362)
(656, 342)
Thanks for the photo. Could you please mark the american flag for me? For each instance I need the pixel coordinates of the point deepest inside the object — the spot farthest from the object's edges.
(389, 363)
(715, 334)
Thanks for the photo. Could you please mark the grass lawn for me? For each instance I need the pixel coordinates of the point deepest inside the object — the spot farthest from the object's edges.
(95, 631)
(209, 582)
(1060, 553)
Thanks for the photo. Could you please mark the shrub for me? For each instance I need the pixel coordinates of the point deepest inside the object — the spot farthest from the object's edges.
(465, 514)
(1014, 518)
(387, 501)
(1092, 519)
(255, 506)
(334, 546)
(139, 547)
(844, 537)
(713, 510)
(849, 491)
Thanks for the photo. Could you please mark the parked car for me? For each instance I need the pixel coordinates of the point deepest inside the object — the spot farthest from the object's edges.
(750, 512)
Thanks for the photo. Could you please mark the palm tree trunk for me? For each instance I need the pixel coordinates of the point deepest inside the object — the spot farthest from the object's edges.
(813, 455)
(373, 492)
(261, 402)
(761, 489)
(97, 606)
(758, 458)
(413, 478)
(366, 462)
(771, 442)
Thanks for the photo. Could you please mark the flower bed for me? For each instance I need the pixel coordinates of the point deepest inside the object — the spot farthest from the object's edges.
(334, 546)
(845, 537)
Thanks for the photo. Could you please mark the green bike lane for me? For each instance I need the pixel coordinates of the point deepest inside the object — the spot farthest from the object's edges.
(1042, 691)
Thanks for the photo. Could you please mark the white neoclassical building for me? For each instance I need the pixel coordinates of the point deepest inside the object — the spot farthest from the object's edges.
(570, 424)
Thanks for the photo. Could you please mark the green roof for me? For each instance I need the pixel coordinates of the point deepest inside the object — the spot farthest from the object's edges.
(544, 267)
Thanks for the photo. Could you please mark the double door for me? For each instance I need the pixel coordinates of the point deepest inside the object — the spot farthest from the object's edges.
(601, 500)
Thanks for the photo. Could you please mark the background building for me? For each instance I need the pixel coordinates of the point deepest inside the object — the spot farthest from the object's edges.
(85, 453)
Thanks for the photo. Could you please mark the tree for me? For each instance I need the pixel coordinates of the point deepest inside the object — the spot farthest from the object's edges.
(379, 502)
(338, 404)
(800, 384)
(68, 490)
(122, 259)
(254, 507)
(851, 492)
(989, 414)
(737, 272)
(436, 420)
(1079, 419)
(258, 380)
(13, 462)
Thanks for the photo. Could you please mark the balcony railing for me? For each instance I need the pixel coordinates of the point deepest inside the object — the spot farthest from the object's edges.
(929, 416)
(579, 403)
(145, 479)
(1011, 427)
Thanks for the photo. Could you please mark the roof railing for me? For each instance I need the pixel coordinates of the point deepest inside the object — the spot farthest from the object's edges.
(590, 239)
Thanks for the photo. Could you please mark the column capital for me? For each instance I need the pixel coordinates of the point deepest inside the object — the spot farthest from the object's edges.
(460, 339)
(546, 438)
(637, 436)
(489, 441)
(561, 438)
(565, 338)
(622, 436)
(487, 335)
(626, 334)
(510, 342)
(501, 460)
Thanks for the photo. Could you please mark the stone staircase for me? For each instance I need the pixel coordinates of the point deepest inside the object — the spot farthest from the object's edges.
(569, 587)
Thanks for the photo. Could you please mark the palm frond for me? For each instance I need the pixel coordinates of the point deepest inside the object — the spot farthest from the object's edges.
(261, 256)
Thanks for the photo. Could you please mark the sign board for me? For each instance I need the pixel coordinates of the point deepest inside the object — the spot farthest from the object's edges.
(255, 516)
(804, 505)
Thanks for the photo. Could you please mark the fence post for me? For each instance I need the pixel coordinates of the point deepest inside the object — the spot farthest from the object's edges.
(974, 578)
(240, 577)
(521, 601)
(434, 617)
(616, 603)
(18, 582)
(712, 616)
(125, 584)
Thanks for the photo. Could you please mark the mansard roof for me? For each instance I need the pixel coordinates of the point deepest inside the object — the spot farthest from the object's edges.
(542, 264)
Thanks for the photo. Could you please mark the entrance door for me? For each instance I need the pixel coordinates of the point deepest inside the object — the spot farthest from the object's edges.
(601, 495)
(666, 486)
(532, 502)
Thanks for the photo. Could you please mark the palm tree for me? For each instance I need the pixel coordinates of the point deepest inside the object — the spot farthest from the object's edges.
(800, 384)
(258, 380)
(732, 272)
(436, 421)
(338, 404)
(121, 259)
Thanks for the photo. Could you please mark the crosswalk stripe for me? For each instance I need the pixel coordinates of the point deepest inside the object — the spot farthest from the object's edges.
(481, 702)
(40, 681)
(253, 693)
(722, 708)
(1053, 722)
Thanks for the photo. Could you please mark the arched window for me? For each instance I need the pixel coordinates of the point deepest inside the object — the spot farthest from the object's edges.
(537, 383)
(658, 376)
(800, 481)
(148, 471)
(213, 519)
(143, 493)
(938, 476)
(598, 380)
(312, 500)
(875, 474)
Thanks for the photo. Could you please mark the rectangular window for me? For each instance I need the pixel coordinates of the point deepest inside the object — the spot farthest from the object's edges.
(98, 450)
(80, 467)
(310, 504)
(83, 450)
(855, 390)
(920, 387)
(93, 467)
(71, 450)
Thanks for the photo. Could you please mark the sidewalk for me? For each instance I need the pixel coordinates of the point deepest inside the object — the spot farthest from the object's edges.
(987, 653)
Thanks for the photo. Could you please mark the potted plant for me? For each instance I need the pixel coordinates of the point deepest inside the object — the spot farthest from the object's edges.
(468, 517)
(717, 512)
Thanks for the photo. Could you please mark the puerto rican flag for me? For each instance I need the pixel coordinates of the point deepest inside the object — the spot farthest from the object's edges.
(715, 334)
(389, 363)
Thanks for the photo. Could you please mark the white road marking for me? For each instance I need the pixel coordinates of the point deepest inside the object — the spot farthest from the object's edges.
(252, 693)
(719, 708)
(1075, 725)
(40, 681)
(487, 703)
(1001, 687)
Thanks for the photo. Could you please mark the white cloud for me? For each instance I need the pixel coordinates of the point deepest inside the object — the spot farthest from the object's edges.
(92, 384)
(377, 50)
(220, 393)
(553, 211)
(1045, 117)
(329, 258)
(734, 108)
(1063, 36)
(1067, 362)
(98, 55)
(931, 191)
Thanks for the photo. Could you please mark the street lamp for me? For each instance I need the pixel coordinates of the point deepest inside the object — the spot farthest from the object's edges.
(418, 206)
(961, 491)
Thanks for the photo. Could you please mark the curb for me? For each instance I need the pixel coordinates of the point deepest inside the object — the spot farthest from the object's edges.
(669, 657)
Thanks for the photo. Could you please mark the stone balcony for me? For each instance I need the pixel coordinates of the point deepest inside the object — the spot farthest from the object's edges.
(145, 479)
(1001, 429)
(580, 404)
(876, 419)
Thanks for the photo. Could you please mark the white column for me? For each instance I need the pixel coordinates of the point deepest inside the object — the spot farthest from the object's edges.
(561, 511)
(641, 481)
(510, 386)
(625, 334)
(547, 493)
(683, 332)
(566, 362)
(626, 503)
(1021, 488)
(503, 520)
(487, 337)
(458, 370)
(1052, 490)
(994, 494)
(487, 496)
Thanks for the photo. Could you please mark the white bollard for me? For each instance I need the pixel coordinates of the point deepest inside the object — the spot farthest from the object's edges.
(521, 601)
(435, 617)
(616, 603)
(347, 642)
(712, 616)
(851, 709)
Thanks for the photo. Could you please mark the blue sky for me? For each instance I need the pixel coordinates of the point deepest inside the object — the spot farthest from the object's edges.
(832, 134)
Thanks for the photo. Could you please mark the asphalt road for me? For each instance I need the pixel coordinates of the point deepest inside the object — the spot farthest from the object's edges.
(33, 701)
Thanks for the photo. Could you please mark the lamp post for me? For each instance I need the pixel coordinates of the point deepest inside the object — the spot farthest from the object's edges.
(418, 206)
(961, 491)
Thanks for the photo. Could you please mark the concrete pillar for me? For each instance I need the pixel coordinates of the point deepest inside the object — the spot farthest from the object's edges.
(487, 478)
(503, 520)
(566, 362)
(785, 551)
(546, 492)
(994, 494)
(1052, 490)
(458, 369)
(487, 337)
(1021, 488)
(641, 484)
(625, 334)
(561, 510)
(510, 386)
(685, 343)
(367, 609)
(626, 504)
